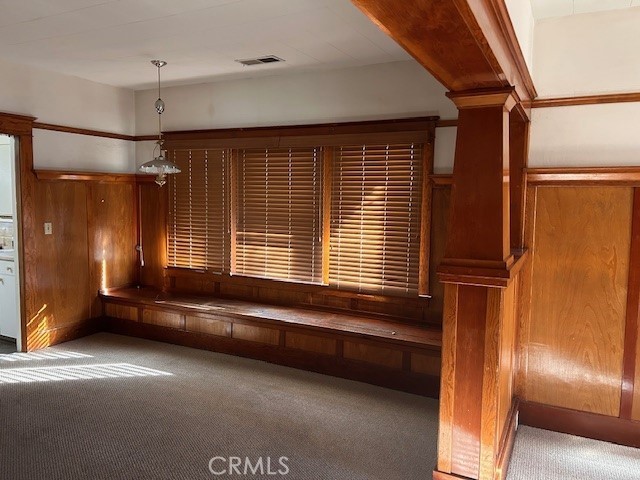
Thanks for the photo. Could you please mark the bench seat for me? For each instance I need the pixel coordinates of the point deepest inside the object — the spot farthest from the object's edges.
(361, 347)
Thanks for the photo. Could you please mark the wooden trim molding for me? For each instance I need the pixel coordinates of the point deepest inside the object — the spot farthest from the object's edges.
(451, 122)
(481, 98)
(584, 176)
(633, 314)
(373, 126)
(324, 129)
(447, 476)
(442, 179)
(508, 439)
(574, 176)
(55, 175)
(21, 127)
(13, 124)
(482, 273)
(92, 133)
(586, 100)
(83, 131)
(515, 50)
(583, 424)
(425, 219)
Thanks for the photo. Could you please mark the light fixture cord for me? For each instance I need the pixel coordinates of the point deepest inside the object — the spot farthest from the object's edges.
(159, 113)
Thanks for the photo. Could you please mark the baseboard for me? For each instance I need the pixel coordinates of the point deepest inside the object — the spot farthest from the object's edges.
(582, 424)
(507, 440)
(67, 333)
(446, 476)
(410, 382)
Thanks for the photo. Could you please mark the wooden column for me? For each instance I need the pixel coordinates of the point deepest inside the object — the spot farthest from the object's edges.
(518, 157)
(477, 411)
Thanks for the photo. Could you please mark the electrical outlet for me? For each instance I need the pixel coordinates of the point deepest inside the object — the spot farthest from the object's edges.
(48, 228)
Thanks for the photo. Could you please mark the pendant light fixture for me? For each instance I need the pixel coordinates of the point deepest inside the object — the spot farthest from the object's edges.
(159, 166)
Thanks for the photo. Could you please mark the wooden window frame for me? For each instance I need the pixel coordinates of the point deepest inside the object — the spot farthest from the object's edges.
(418, 130)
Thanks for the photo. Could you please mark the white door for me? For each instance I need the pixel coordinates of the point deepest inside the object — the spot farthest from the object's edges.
(8, 309)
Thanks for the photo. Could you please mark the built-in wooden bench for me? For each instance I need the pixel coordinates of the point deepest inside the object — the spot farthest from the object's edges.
(360, 347)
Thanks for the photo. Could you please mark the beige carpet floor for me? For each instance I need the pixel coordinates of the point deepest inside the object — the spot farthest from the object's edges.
(113, 407)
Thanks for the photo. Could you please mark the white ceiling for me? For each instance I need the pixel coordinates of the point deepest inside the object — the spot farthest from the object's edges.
(561, 8)
(112, 41)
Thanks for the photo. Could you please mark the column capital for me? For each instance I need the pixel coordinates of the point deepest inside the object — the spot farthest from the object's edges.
(486, 97)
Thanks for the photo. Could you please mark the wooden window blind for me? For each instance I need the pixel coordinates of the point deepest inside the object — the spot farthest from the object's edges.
(198, 211)
(279, 228)
(375, 218)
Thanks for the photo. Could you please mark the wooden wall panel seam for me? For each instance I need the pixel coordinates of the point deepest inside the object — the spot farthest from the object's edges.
(524, 302)
(447, 378)
(489, 434)
(632, 314)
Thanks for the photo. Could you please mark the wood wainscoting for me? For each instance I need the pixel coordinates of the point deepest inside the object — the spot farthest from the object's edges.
(578, 329)
(92, 247)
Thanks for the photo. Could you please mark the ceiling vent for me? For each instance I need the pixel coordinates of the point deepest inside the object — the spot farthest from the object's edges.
(260, 61)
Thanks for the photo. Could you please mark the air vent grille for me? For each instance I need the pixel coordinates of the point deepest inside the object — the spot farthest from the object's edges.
(260, 60)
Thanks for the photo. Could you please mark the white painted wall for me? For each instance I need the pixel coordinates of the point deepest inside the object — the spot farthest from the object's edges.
(71, 152)
(71, 101)
(588, 135)
(587, 54)
(65, 100)
(523, 22)
(445, 149)
(391, 90)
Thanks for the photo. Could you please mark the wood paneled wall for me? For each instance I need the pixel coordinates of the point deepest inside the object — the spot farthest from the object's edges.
(92, 247)
(572, 337)
(152, 211)
(62, 270)
(112, 235)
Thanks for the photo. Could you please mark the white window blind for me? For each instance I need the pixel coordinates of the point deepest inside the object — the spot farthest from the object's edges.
(279, 214)
(198, 205)
(375, 219)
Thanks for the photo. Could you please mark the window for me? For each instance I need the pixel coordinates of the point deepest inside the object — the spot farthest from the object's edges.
(375, 218)
(278, 225)
(337, 206)
(197, 227)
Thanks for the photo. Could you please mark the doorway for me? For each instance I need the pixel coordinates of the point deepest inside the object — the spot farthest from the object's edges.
(10, 324)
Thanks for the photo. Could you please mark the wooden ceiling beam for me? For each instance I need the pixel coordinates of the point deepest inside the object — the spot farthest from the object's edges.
(465, 44)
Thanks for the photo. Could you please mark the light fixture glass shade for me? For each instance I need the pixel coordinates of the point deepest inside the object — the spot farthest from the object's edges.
(160, 167)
